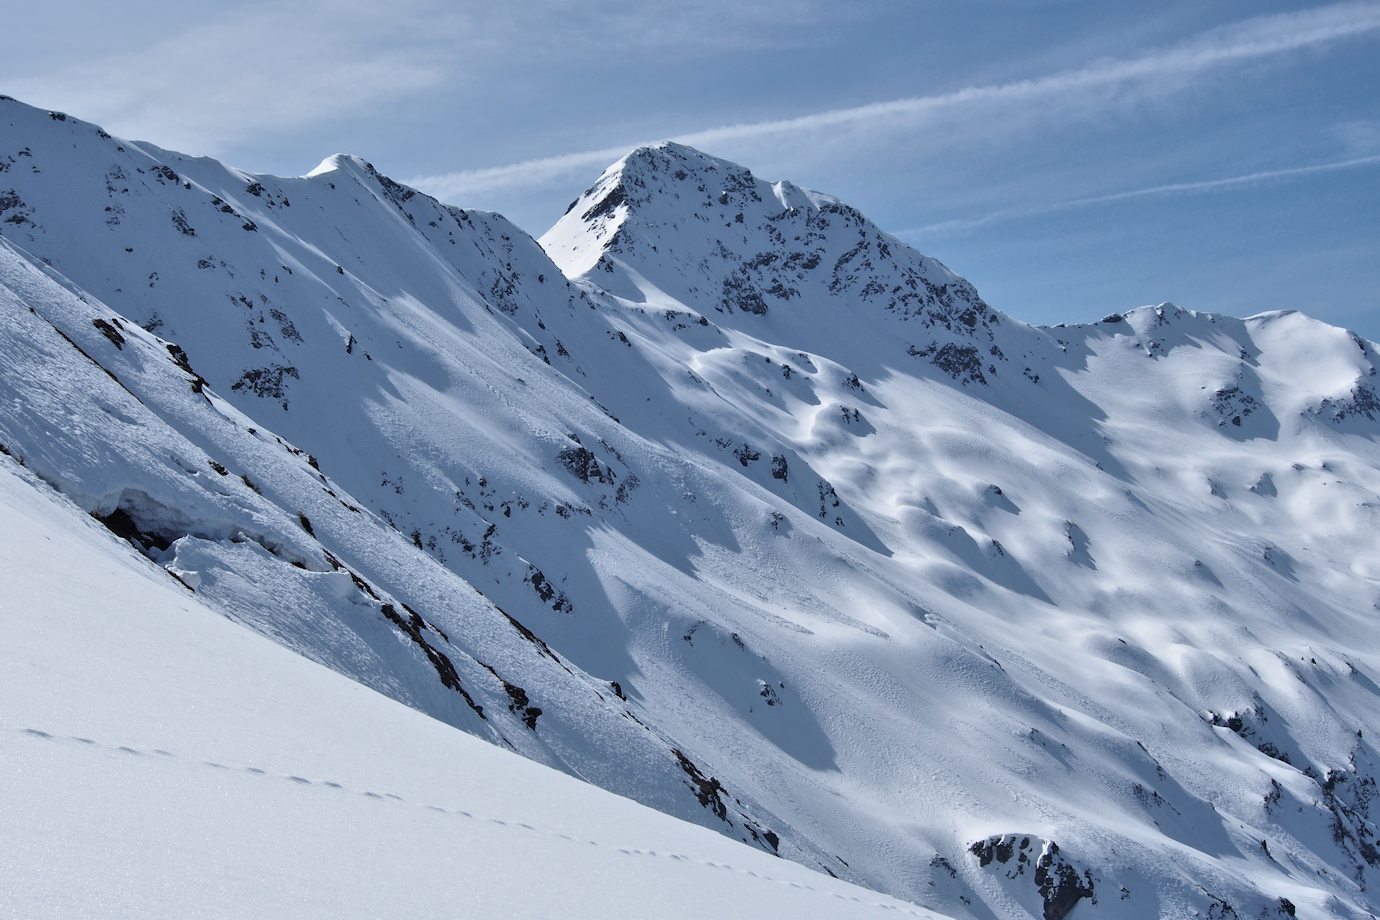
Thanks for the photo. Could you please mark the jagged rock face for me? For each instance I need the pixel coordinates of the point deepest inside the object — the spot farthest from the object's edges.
(862, 578)
(1057, 881)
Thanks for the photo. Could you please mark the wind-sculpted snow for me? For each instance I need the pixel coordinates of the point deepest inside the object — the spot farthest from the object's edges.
(724, 499)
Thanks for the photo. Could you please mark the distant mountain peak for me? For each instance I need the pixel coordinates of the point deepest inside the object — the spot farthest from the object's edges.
(670, 220)
(340, 162)
(675, 175)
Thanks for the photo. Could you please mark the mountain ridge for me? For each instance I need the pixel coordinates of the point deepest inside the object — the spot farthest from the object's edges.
(783, 574)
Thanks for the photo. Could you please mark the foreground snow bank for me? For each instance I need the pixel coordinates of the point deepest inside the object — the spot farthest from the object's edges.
(159, 760)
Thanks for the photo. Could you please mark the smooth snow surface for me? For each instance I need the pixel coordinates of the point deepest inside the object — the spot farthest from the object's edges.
(725, 500)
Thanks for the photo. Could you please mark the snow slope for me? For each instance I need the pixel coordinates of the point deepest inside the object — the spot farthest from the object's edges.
(725, 500)
(160, 761)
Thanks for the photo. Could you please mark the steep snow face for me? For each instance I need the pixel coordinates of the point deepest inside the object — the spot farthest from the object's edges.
(1007, 621)
(120, 422)
(160, 761)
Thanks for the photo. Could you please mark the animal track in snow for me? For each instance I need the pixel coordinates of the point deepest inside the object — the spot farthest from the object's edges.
(298, 779)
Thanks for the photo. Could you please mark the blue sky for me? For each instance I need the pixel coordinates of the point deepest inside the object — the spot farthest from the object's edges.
(1070, 157)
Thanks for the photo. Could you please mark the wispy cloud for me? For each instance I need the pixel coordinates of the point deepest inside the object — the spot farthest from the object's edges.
(1174, 188)
(216, 76)
(248, 69)
(1244, 41)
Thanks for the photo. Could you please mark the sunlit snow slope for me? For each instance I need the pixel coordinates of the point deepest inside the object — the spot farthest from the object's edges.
(723, 499)
(159, 761)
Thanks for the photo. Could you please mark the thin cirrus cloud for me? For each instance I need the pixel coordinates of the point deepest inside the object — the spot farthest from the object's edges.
(240, 72)
(1244, 41)
(1154, 191)
(218, 77)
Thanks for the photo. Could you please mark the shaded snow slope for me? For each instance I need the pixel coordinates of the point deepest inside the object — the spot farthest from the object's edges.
(160, 761)
(768, 521)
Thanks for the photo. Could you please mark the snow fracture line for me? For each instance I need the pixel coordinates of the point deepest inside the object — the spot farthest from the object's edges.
(39, 734)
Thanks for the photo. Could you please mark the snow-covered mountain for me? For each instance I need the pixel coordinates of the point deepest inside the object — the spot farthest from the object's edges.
(724, 500)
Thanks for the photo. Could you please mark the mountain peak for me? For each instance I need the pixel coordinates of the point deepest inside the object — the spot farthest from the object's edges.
(668, 220)
(341, 162)
(668, 170)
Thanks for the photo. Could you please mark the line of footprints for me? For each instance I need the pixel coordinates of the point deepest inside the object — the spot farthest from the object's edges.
(459, 812)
